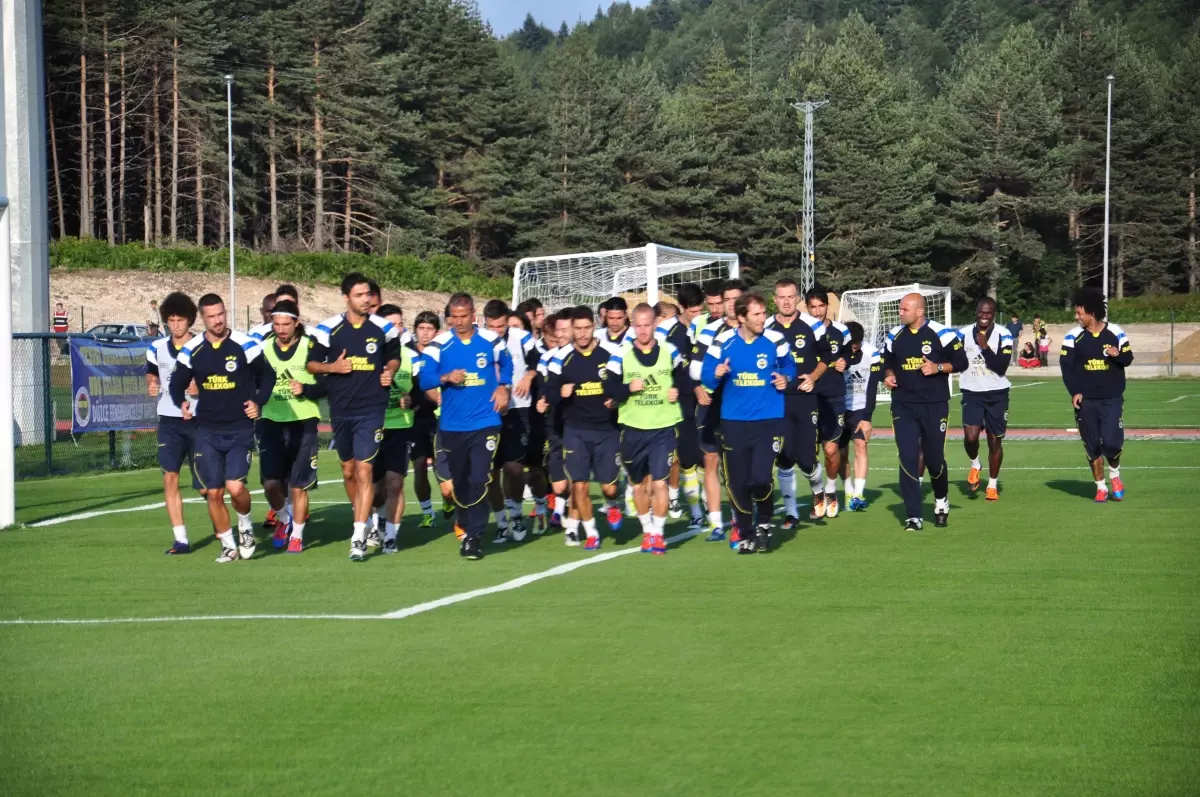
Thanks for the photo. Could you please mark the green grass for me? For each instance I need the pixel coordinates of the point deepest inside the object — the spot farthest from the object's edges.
(1041, 646)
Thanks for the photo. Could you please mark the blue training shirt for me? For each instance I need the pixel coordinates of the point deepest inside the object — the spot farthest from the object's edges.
(748, 394)
(485, 360)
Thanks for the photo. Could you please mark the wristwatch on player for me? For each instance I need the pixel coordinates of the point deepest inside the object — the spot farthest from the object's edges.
(941, 367)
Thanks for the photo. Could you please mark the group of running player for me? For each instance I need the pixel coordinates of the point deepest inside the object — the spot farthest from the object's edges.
(671, 399)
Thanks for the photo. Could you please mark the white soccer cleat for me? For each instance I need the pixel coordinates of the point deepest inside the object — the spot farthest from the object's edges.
(246, 542)
(227, 555)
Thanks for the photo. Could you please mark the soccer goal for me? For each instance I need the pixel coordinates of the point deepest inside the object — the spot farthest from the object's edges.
(650, 273)
(878, 310)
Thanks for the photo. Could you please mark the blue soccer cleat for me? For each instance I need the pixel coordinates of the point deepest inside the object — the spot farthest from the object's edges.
(716, 535)
(179, 548)
(857, 504)
(593, 544)
(614, 518)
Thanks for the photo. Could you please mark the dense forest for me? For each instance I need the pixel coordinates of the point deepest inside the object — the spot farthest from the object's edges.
(963, 142)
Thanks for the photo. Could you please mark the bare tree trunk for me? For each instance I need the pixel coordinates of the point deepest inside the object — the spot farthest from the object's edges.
(473, 234)
(121, 158)
(347, 215)
(199, 188)
(85, 221)
(318, 160)
(110, 222)
(299, 192)
(174, 141)
(156, 127)
(1193, 266)
(91, 167)
(58, 196)
(222, 212)
(1120, 263)
(147, 219)
(272, 168)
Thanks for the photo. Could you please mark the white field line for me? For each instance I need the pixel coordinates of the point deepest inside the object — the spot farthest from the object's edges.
(1181, 398)
(399, 614)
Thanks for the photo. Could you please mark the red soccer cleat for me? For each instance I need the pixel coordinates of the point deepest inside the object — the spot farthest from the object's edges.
(1101, 496)
(295, 545)
(1118, 489)
(270, 521)
(658, 545)
(647, 543)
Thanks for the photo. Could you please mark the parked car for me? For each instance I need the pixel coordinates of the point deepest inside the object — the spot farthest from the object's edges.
(116, 332)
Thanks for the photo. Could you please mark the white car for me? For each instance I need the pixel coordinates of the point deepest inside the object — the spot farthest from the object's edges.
(116, 332)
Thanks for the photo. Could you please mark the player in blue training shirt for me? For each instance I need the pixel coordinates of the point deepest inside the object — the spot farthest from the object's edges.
(234, 381)
(754, 365)
(1094, 357)
(473, 368)
(359, 354)
(918, 358)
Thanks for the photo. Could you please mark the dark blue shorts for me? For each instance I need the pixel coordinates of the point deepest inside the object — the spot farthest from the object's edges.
(592, 454)
(708, 422)
(555, 469)
(177, 445)
(441, 465)
(830, 410)
(223, 456)
(514, 436)
(648, 452)
(423, 431)
(850, 422)
(287, 452)
(989, 410)
(1101, 426)
(358, 438)
(393, 453)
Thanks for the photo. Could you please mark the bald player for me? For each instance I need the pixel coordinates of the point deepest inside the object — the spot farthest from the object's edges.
(918, 358)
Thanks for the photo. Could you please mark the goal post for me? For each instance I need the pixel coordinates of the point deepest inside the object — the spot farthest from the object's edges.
(878, 310)
(650, 273)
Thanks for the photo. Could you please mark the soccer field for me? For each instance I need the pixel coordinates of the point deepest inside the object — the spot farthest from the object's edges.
(1044, 645)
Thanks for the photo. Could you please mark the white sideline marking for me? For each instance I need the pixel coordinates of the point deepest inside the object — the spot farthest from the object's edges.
(1181, 398)
(1029, 384)
(399, 614)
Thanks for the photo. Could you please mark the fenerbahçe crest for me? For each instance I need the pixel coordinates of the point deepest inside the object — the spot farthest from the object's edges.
(761, 362)
(926, 348)
(481, 362)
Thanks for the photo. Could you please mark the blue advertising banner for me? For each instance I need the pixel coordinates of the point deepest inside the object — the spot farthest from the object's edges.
(108, 387)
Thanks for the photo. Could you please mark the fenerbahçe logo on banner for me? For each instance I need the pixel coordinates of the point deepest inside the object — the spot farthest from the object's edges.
(83, 407)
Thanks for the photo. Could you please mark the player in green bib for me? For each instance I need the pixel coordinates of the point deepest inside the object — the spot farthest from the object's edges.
(391, 465)
(288, 433)
(644, 380)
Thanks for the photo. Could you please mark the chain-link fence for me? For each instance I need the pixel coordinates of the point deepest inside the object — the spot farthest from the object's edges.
(42, 407)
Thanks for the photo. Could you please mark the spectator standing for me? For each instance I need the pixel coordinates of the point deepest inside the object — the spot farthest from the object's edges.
(1014, 327)
(153, 318)
(60, 321)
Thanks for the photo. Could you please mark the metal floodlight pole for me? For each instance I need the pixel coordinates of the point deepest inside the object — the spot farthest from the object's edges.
(808, 267)
(8, 470)
(1107, 177)
(232, 263)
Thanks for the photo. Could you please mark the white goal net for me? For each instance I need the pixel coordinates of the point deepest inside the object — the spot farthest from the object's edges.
(878, 310)
(649, 273)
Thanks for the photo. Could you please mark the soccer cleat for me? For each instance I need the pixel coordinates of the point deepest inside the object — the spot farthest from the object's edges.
(593, 544)
(913, 524)
(179, 548)
(555, 522)
(539, 525)
(390, 546)
(280, 537)
(614, 517)
(941, 519)
(501, 537)
(246, 542)
(374, 538)
(716, 534)
(762, 539)
(228, 555)
(459, 532)
(647, 542)
(790, 522)
(1118, 489)
(295, 545)
(818, 507)
(744, 547)
(658, 545)
(1101, 496)
(973, 479)
(857, 504)
(447, 511)
(358, 550)
(992, 494)
(831, 505)
(472, 549)
(571, 539)
(674, 510)
(517, 530)
(735, 537)
(270, 521)
(426, 522)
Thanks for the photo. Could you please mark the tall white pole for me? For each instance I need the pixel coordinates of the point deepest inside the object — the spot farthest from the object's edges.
(232, 319)
(1107, 175)
(8, 470)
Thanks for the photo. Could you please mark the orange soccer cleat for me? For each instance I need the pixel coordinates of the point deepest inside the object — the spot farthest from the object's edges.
(993, 494)
(973, 479)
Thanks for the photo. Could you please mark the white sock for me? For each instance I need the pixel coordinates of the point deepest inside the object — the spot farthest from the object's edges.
(560, 505)
(691, 491)
(673, 493)
(814, 479)
(1101, 486)
(283, 516)
(975, 464)
(787, 488)
(993, 484)
(390, 530)
(714, 519)
(297, 531)
(647, 523)
(629, 492)
(287, 507)
(501, 519)
(374, 521)
(941, 505)
(859, 486)
(360, 532)
(539, 506)
(571, 525)
(831, 486)
(589, 528)
(1114, 473)
(427, 507)
(514, 508)
(180, 533)
(660, 523)
(245, 521)
(226, 538)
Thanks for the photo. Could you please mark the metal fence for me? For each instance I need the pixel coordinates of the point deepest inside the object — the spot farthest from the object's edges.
(42, 406)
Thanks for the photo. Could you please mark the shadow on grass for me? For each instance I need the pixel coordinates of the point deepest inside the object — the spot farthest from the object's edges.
(1079, 489)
